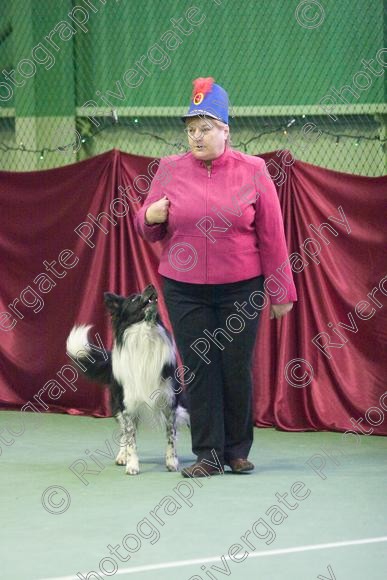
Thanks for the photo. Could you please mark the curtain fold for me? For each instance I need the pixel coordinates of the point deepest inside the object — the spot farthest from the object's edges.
(67, 236)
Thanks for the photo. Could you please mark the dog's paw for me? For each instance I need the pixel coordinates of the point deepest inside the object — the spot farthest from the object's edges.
(172, 464)
(132, 468)
(121, 457)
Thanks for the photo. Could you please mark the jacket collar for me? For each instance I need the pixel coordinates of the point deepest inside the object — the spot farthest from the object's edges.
(215, 163)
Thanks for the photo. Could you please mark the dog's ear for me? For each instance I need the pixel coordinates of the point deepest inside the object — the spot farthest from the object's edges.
(112, 301)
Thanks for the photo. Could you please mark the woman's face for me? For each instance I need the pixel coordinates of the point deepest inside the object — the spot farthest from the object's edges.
(206, 137)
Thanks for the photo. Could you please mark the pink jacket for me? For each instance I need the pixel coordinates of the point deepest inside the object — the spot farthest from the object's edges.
(224, 225)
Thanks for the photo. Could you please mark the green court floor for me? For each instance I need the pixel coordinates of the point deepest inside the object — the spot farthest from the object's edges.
(55, 524)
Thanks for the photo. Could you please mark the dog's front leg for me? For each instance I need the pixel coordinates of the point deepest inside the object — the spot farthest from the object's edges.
(121, 457)
(132, 464)
(171, 460)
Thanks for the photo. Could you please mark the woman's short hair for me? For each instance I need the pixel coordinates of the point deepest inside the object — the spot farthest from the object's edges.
(221, 124)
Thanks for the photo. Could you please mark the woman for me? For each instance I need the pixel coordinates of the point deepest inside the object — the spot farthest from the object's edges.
(217, 212)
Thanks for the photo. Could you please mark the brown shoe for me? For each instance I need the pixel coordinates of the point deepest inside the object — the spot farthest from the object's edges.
(240, 465)
(201, 469)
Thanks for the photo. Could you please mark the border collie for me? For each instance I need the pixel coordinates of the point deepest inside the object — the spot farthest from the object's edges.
(140, 371)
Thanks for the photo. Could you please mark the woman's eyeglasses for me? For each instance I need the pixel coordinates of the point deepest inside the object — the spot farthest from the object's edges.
(191, 131)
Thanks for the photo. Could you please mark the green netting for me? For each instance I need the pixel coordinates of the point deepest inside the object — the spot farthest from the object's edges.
(80, 77)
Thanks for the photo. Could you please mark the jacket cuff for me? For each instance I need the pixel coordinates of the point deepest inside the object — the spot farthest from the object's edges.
(291, 296)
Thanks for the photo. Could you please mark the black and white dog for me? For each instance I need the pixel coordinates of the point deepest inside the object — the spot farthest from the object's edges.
(140, 371)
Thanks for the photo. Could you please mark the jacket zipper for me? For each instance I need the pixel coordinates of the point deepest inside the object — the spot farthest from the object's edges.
(208, 177)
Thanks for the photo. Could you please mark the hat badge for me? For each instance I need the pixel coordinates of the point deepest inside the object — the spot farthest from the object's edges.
(198, 98)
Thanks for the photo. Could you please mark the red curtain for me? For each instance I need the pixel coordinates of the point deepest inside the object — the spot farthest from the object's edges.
(59, 253)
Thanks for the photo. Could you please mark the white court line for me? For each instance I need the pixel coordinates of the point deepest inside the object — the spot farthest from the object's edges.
(278, 552)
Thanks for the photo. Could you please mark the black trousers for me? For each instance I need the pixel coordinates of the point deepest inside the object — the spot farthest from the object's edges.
(215, 328)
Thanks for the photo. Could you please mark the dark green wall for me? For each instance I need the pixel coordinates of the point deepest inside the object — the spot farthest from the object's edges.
(257, 50)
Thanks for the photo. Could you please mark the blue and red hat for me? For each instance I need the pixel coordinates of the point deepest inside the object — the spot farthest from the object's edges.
(208, 99)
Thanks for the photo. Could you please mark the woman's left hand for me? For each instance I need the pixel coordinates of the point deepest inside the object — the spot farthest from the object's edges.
(279, 310)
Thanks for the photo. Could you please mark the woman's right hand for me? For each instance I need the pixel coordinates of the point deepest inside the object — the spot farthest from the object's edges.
(157, 212)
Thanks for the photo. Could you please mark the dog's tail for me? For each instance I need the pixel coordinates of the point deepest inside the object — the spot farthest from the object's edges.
(182, 412)
(94, 362)
(182, 417)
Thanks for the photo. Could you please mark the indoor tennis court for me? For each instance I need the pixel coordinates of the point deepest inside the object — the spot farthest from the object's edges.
(336, 531)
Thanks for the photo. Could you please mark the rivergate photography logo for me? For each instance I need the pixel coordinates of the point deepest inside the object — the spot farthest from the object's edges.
(310, 14)
(41, 55)
(148, 528)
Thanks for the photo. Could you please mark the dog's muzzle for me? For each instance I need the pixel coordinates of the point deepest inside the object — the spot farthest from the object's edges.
(149, 297)
(150, 293)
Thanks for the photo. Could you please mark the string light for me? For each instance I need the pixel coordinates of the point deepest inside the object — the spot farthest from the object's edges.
(336, 136)
(135, 123)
